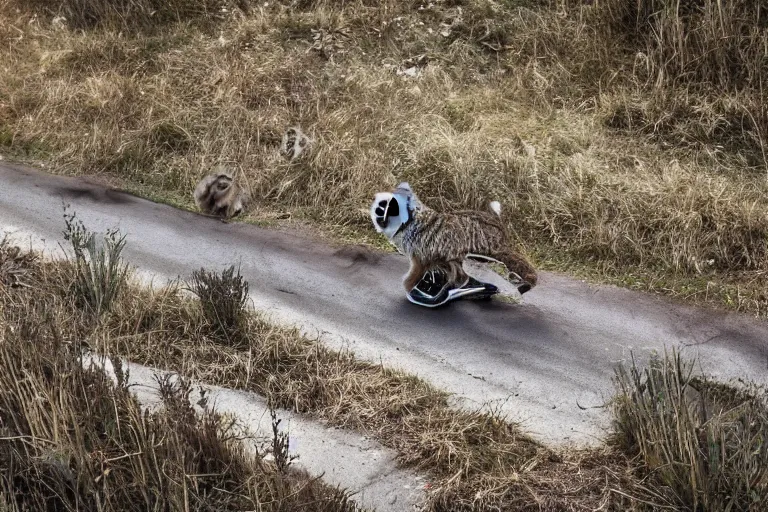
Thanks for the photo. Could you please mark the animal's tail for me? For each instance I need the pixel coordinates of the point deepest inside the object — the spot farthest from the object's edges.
(518, 264)
(515, 262)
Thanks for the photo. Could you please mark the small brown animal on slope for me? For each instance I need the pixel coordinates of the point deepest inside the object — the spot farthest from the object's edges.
(219, 195)
(433, 239)
(295, 143)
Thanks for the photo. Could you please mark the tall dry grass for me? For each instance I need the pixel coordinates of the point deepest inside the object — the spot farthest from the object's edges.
(134, 15)
(681, 442)
(700, 43)
(474, 460)
(72, 440)
(704, 444)
(224, 298)
(699, 71)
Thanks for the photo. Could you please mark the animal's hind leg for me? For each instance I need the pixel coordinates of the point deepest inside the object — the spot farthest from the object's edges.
(414, 275)
(517, 263)
(457, 276)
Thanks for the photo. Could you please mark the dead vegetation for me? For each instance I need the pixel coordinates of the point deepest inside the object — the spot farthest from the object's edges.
(476, 460)
(223, 300)
(625, 139)
(71, 439)
(133, 15)
(704, 443)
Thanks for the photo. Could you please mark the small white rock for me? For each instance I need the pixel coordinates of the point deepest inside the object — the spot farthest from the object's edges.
(529, 149)
(411, 72)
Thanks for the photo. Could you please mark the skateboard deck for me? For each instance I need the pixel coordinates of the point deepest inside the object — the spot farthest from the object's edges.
(433, 291)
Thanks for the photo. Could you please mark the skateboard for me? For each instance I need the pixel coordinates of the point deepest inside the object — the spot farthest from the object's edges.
(433, 290)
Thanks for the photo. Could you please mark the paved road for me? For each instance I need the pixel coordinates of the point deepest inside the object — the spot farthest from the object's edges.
(540, 359)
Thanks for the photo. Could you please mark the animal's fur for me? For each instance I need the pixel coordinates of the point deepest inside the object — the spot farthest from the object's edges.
(219, 195)
(435, 239)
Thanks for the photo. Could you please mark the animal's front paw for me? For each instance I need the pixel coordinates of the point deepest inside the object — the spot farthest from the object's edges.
(522, 284)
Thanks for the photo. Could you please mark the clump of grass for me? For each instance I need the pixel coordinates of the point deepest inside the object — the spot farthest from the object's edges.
(101, 273)
(14, 263)
(71, 439)
(705, 445)
(223, 298)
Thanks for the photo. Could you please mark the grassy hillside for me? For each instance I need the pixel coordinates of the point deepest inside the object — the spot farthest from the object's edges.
(624, 138)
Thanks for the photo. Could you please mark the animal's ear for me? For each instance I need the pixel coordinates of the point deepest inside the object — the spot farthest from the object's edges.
(413, 200)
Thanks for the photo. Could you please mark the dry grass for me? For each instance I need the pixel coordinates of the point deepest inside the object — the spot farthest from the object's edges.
(624, 138)
(99, 269)
(465, 453)
(705, 445)
(476, 460)
(132, 15)
(223, 298)
(72, 440)
(705, 63)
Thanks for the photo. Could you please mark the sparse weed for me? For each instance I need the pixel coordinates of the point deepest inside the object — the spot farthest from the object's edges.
(101, 273)
(705, 445)
(280, 440)
(223, 298)
(15, 264)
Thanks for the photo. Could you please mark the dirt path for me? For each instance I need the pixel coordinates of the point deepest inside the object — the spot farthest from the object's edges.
(541, 360)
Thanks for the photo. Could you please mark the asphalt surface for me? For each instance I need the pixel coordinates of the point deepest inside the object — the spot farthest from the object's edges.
(547, 362)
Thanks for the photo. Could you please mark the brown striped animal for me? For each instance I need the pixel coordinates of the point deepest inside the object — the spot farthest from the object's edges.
(435, 239)
(218, 195)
